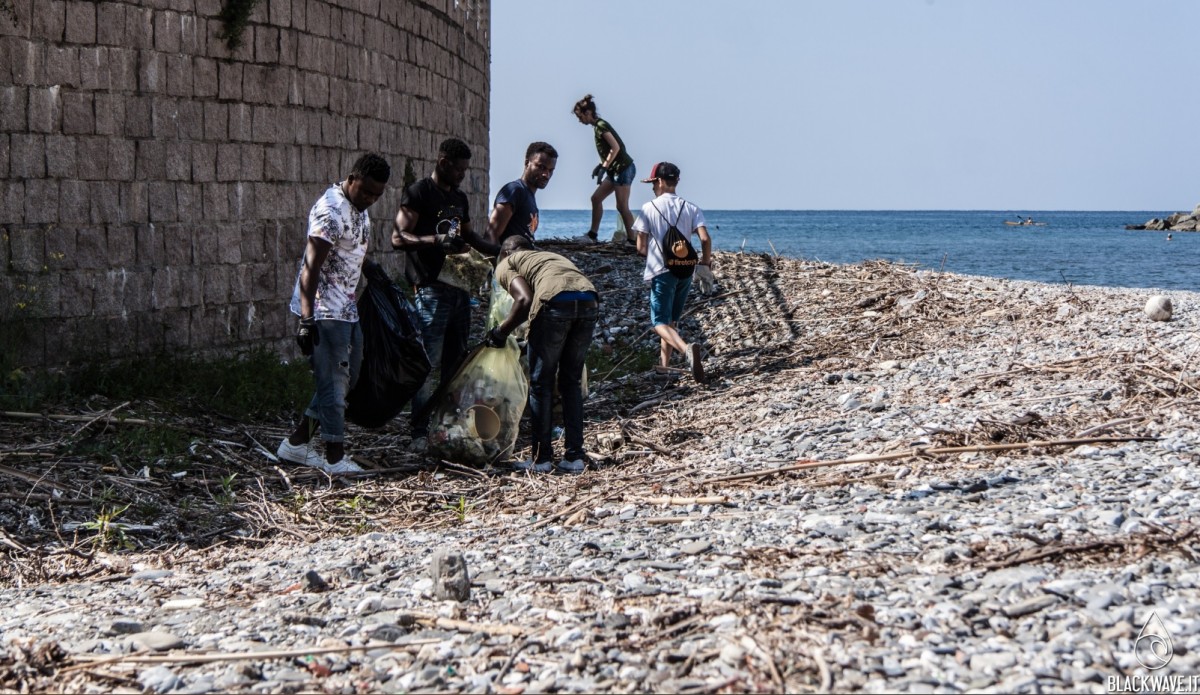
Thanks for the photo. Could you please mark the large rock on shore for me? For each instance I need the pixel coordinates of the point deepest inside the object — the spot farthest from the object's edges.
(1177, 222)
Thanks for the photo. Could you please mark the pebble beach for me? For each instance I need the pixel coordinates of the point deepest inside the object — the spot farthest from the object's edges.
(895, 480)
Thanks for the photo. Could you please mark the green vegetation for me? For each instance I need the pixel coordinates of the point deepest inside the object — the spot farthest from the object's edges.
(109, 533)
(623, 361)
(235, 16)
(253, 386)
(460, 508)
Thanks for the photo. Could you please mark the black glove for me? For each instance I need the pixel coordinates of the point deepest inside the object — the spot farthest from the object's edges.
(495, 339)
(307, 337)
(598, 173)
(451, 243)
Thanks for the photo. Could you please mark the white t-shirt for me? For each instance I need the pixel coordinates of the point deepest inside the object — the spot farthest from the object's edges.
(335, 220)
(686, 216)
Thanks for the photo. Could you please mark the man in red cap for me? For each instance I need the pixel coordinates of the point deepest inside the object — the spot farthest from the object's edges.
(664, 230)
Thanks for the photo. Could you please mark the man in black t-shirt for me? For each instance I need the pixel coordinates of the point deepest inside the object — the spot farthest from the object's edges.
(434, 221)
(515, 210)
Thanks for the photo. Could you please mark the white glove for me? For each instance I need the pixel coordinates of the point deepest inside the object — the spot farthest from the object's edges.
(705, 280)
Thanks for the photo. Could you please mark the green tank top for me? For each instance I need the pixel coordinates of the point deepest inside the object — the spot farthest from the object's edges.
(623, 159)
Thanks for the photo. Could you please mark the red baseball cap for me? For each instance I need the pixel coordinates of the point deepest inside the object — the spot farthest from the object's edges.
(662, 170)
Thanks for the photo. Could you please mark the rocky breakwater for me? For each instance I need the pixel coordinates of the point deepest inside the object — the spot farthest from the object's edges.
(894, 481)
(1177, 222)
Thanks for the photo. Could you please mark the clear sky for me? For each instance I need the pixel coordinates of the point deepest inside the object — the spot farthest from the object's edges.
(850, 104)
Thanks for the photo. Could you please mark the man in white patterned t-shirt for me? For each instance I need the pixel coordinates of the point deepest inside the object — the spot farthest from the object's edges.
(324, 299)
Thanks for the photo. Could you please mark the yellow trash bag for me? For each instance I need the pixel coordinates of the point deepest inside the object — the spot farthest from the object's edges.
(467, 271)
(477, 419)
(499, 305)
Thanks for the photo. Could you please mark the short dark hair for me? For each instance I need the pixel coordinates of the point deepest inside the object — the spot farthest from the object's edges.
(453, 148)
(540, 147)
(371, 166)
(515, 243)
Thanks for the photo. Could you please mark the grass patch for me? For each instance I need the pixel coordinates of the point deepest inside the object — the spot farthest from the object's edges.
(623, 361)
(252, 386)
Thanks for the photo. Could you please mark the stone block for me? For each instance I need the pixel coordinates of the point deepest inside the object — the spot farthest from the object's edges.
(263, 282)
(288, 48)
(282, 163)
(216, 202)
(93, 68)
(176, 330)
(12, 208)
(107, 299)
(216, 121)
(49, 20)
(229, 81)
(190, 119)
(26, 61)
(178, 162)
(240, 122)
(252, 163)
(28, 156)
(26, 248)
(78, 114)
(139, 27)
(139, 117)
(91, 155)
(254, 83)
(166, 32)
(228, 240)
(61, 255)
(5, 157)
(149, 246)
(41, 201)
(162, 202)
(204, 77)
(241, 201)
(122, 69)
(60, 156)
(110, 24)
(151, 160)
(229, 162)
(179, 75)
(90, 247)
(308, 57)
(189, 199)
(192, 36)
(122, 247)
(122, 160)
(62, 66)
(122, 336)
(164, 118)
(316, 90)
(266, 45)
(253, 243)
(206, 249)
(135, 202)
(14, 107)
(81, 21)
(109, 113)
(299, 14)
(190, 286)
(105, 202)
(208, 8)
(73, 204)
(216, 285)
(45, 110)
(151, 332)
(152, 72)
(204, 162)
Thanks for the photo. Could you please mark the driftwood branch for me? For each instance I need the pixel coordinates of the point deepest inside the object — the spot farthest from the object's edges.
(924, 451)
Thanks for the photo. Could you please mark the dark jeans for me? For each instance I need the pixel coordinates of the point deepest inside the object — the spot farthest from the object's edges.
(558, 343)
(445, 328)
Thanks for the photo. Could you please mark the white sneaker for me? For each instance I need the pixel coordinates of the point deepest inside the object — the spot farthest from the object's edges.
(305, 454)
(527, 465)
(576, 466)
(587, 239)
(342, 466)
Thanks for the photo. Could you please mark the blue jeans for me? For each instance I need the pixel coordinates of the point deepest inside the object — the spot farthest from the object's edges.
(668, 294)
(625, 177)
(335, 361)
(559, 339)
(445, 314)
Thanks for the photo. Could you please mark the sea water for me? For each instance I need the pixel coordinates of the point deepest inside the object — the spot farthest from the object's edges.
(1081, 248)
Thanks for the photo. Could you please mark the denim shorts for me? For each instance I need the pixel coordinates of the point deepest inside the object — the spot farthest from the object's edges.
(626, 177)
(668, 294)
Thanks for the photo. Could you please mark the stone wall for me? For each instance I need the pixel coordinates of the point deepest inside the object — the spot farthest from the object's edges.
(155, 184)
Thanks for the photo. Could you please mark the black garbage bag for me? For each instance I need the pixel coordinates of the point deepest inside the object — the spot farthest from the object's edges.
(394, 362)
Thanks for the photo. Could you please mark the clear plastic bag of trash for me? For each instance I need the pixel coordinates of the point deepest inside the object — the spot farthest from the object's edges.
(477, 419)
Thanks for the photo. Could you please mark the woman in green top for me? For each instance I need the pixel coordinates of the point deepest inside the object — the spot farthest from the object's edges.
(615, 172)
